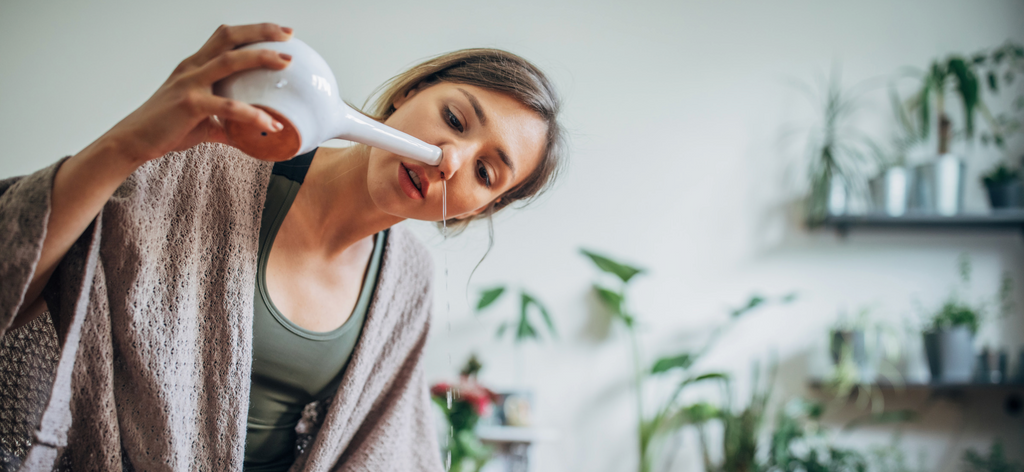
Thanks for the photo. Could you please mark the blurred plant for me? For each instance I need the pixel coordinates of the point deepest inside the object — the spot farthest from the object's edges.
(836, 149)
(740, 427)
(1001, 174)
(962, 76)
(863, 351)
(955, 311)
(522, 327)
(1001, 67)
(799, 443)
(892, 458)
(463, 404)
(670, 415)
(995, 462)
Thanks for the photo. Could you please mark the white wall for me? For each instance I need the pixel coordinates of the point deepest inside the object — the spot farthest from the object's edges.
(677, 112)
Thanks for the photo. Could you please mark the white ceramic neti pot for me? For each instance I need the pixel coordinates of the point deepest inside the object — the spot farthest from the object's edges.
(304, 98)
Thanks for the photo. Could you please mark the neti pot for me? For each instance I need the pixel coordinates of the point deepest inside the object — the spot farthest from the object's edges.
(304, 97)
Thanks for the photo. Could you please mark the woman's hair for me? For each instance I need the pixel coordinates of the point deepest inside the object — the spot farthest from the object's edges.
(499, 71)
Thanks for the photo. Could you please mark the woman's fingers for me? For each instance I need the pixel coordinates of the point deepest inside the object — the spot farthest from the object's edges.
(234, 61)
(234, 110)
(227, 38)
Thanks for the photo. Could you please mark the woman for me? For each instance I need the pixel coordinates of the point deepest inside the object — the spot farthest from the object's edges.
(204, 299)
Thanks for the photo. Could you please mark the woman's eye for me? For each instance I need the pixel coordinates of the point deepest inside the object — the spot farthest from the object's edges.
(484, 176)
(453, 120)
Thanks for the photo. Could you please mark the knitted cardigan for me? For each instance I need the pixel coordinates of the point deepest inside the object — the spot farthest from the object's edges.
(152, 310)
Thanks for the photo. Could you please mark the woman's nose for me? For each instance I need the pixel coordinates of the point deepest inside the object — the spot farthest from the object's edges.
(451, 160)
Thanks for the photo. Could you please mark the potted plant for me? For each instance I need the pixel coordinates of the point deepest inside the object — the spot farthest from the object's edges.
(1004, 186)
(1000, 68)
(949, 336)
(890, 189)
(863, 352)
(463, 404)
(676, 369)
(938, 185)
(837, 152)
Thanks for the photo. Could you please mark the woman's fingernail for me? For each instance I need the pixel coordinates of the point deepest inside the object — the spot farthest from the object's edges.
(278, 126)
(284, 56)
(286, 30)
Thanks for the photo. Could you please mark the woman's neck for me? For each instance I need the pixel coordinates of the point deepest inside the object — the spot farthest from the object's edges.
(333, 208)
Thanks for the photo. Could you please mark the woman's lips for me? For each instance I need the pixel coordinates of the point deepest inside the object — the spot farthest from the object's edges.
(406, 183)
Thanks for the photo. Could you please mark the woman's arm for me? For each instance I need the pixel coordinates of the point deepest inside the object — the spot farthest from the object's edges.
(177, 117)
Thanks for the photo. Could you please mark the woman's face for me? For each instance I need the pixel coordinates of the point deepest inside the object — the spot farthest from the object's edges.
(490, 143)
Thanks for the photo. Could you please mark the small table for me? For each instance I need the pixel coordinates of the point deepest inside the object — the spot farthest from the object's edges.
(513, 443)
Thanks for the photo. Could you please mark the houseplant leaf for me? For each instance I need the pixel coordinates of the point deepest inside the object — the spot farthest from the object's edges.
(611, 299)
(527, 298)
(681, 361)
(489, 296)
(622, 271)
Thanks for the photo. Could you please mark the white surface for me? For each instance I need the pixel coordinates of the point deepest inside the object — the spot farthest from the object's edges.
(682, 163)
(515, 434)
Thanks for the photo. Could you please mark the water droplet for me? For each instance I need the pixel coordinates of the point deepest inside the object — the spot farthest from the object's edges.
(281, 83)
(449, 399)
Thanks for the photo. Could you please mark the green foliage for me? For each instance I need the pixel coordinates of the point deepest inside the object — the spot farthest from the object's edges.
(622, 271)
(467, 452)
(1001, 174)
(522, 325)
(955, 313)
(798, 443)
(835, 149)
(489, 296)
(995, 462)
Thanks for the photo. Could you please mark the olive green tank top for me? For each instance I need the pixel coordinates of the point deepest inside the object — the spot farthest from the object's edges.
(292, 366)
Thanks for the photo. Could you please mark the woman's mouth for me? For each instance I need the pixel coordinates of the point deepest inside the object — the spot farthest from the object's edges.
(410, 179)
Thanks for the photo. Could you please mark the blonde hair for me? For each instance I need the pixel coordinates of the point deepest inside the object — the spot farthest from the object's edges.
(499, 71)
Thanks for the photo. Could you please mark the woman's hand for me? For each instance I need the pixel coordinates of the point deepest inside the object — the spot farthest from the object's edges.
(178, 116)
(181, 112)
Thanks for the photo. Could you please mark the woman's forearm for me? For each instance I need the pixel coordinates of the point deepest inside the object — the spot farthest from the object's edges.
(81, 187)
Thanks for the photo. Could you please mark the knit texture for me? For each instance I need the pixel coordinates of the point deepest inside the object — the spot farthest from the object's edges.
(153, 310)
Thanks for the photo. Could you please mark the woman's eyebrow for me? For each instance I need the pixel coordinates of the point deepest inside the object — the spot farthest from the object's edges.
(483, 120)
(476, 106)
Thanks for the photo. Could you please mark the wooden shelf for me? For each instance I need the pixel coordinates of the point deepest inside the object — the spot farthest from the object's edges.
(999, 219)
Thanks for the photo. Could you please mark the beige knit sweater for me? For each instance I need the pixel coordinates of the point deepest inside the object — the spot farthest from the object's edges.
(153, 310)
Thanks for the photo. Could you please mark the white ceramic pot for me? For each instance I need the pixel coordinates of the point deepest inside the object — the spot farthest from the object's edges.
(889, 191)
(304, 97)
(939, 186)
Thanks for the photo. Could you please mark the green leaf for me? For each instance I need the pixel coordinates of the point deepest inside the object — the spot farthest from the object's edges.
(967, 85)
(622, 271)
(501, 330)
(754, 302)
(682, 361)
(543, 312)
(611, 299)
(525, 329)
(992, 84)
(489, 296)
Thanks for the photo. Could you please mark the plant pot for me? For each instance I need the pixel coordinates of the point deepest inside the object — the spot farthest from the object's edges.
(838, 195)
(861, 350)
(1008, 194)
(939, 186)
(950, 354)
(890, 191)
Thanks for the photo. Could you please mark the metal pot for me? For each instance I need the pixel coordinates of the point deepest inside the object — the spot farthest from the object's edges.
(950, 354)
(889, 191)
(1008, 194)
(939, 186)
